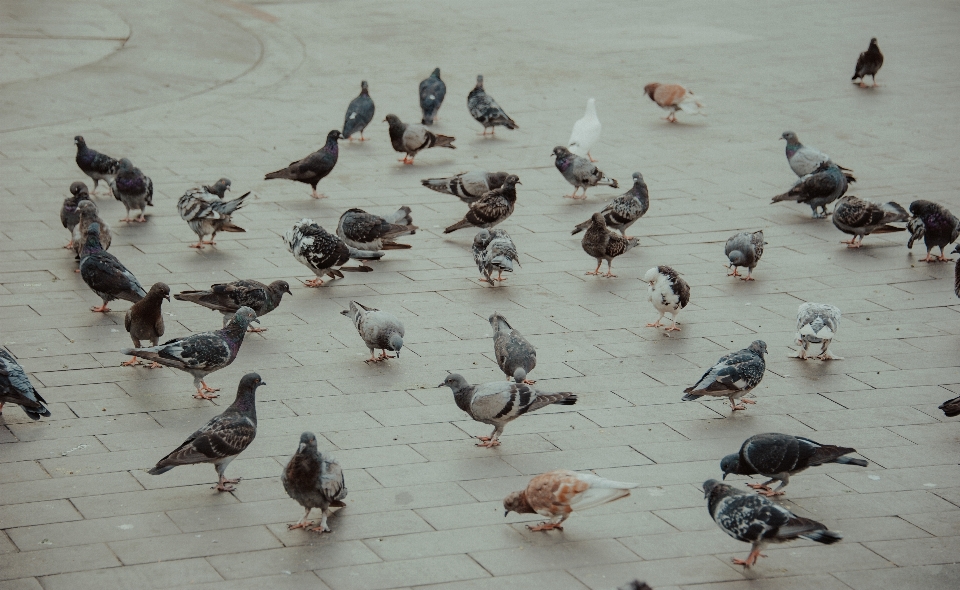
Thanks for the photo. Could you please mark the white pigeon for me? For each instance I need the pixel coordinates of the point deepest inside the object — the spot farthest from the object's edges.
(817, 323)
(668, 293)
(586, 132)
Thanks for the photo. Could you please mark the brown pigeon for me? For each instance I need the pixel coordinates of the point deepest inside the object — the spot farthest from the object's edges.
(144, 320)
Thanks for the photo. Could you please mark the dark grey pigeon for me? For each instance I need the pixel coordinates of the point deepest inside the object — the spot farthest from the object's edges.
(744, 249)
(956, 272)
(314, 481)
(207, 214)
(516, 357)
(315, 167)
(359, 113)
(15, 388)
(410, 139)
(90, 214)
(219, 188)
(222, 439)
(203, 353)
(94, 164)
(778, 456)
(366, 231)
(432, 91)
(486, 111)
(754, 519)
(734, 375)
(144, 320)
(492, 208)
(951, 407)
(467, 186)
(603, 244)
(494, 250)
(105, 275)
(938, 227)
(868, 64)
(861, 217)
(133, 188)
(635, 585)
(623, 211)
(579, 171)
(818, 189)
(378, 329)
(69, 213)
(227, 298)
(323, 252)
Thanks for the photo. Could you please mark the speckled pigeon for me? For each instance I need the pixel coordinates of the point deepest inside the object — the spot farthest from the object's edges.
(868, 64)
(227, 298)
(90, 214)
(494, 250)
(378, 329)
(321, 251)
(492, 208)
(817, 323)
(144, 320)
(219, 188)
(432, 91)
(410, 138)
(94, 164)
(314, 167)
(516, 357)
(133, 188)
(805, 159)
(734, 375)
(314, 480)
(624, 210)
(938, 227)
(15, 388)
(860, 217)
(603, 244)
(366, 231)
(69, 214)
(359, 113)
(668, 293)
(207, 214)
(744, 249)
(817, 189)
(579, 172)
(467, 186)
(486, 111)
(105, 275)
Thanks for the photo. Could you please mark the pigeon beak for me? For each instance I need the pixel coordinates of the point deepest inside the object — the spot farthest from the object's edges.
(255, 320)
(167, 297)
(301, 447)
(724, 476)
(505, 513)
(441, 385)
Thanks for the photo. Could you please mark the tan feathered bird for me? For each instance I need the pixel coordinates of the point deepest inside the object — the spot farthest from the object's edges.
(557, 494)
(673, 98)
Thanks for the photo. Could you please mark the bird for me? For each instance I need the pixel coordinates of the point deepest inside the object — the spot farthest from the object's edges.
(755, 519)
(668, 293)
(94, 164)
(69, 213)
(222, 439)
(956, 272)
(321, 251)
(493, 208)
(144, 321)
(557, 494)
(105, 275)
(467, 186)
(516, 357)
(635, 585)
(804, 159)
(744, 249)
(817, 189)
(410, 138)
(15, 388)
(432, 91)
(868, 64)
(227, 298)
(378, 329)
(734, 375)
(623, 211)
(314, 480)
(603, 244)
(951, 407)
(90, 214)
(133, 188)
(817, 323)
(494, 250)
(359, 113)
(486, 111)
(208, 214)
(778, 456)
(366, 231)
(673, 98)
(586, 132)
(314, 167)
(579, 172)
(499, 403)
(860, 217)
(219, 188)
(203, 353)
(936, 225)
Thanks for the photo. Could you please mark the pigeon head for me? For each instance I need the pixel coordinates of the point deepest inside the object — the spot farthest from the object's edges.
(395, 343)
(454, 382)
(480, 81)
(652, 276)
(93, 230)
(308, 440)
(481, 240)
(87, 207)
(759, 347)
(246, 393)
(790, 136)
(637, 178)
(517, 502)
(519, 375)
(498, 322)
(393, 120)
(219, 187)
(920, 208)
(244, 317)
(281, 287)
(364, 89)
(598, 219)
(511, 181)
(873, 42)
(159, 290)
(125, 164)
(78, 140)
(333, 136)
(956, 250)
(710, 485)
(79, 188)
(560, 152)
(92, 243)
(729, 464)
(649, 89)
(436, 73)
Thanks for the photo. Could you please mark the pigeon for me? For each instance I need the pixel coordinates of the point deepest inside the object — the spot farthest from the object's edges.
(219, 188)
(15, 388)
(951, 407)
(956, 272)
(817, 189)
(744, 249)
(379, 329)
(203, 353)
(936, 225)
(817, 323)
(90, 214)
(579, 172)
(468, 186)
(409, 138)
(105, 275)
(314, 167)
(359, 113)
(668, 293)
(754, 519)
(69, 214)
(494, 250)
(556, 494)
(603, 244)
(498, 403)
(624, 210)
(673, 98)
(321, 251)
(133, 188)
(486, 111)
(492, 208)
(94, 164)
(227, 298)
(635, 585)
(222, 439)
(516, 357)
(734, 375)
(314, 480)
(208, 214)
(144, 321)
(804, 159)
(778, 456)
(868, 64)
(432, 91)
(860, 217)
(586, 132)
(365, 231)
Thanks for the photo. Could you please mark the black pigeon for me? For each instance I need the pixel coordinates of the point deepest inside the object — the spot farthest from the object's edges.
(410, 139)
(69, 213)
(467, 186)
(94, 164)
(366, 231)
(868, 64)
(432, 91)
(956, 272)
(144, 321)
(227, 298)
(133, 188)
(314, 167)
(938, 227)
(219, 188)
(359, 113)
(734, 375)
(818, 189)
(603, 244)
(951, 407)
(860, 217)
(15, 388)
(206, 214)
(321, 251)
(105, 275)
(90, 214)
(754, 519)
(635, 585)
(623, 211)
(492, 208)
(486, 111)
(516, 357)
(778, 456)
(314, 481)
(222, 439)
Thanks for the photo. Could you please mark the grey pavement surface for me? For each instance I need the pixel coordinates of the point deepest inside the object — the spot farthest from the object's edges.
(192, 90)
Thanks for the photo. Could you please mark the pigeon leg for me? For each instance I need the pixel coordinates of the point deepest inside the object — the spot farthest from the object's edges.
(546, 526)
(736, 406)
(747, 401)
(734, 273)
(101, 309)
(761, 486)
(322, 527)
(384, 356)
(303, 523)
(673, 327)
(943, 256)
(140, 219)
(69, 244)
(211, 242)
(751, 559)
(131, 363)
(590, 157)
(256, 330)
(825, 355)
(873, 77)
(198, 245)
(488, 443)
(862, 85)
(574, 195)
(748, 277)
(154, 365)
(657, 323)
(361, 137)
(500, 276)
(203, 390)
(609, 273)
(317, 282)
(778, 491)
(597, 270)
(221, 484)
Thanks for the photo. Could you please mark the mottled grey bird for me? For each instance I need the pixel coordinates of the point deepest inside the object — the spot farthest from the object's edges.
(623, 211)
(227, 298)
(938, 227)
(105, 275)
(467, 186)
(378, 329)
(314, 480)
(486, 111)
(492, 208)
(744, 249)
(15, 388)
(432, 91)
(817, 323)
(94, 164)
(818, 189)
(516, 357)
(410, 138)
(359, 113)
(494, 250)
(315, 167)
(321, 251)
(219, 188)
(133, 188)
(603, 244)
(366, 231)
(222, 439)
(868, 64)
(579, 172)
(805, 159)
(734, 375)
(69, 213)
(668, 293)
(144, 320)
(90, 214)
(207, 214)
(860, 217)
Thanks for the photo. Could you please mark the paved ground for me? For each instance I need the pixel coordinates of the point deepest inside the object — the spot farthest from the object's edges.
(195, 90)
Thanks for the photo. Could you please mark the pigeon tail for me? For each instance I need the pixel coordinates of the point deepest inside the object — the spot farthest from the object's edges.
(400, 217)
(824, 536)
(231, 206)
(395, 246)
(160, 470)
(502, 263)
(364, 255)
(463, 223)
(951, 407)
(785, 197)
(581, 227)
(850, 461)
(444, 141)
(690, 397)
(230, 227)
